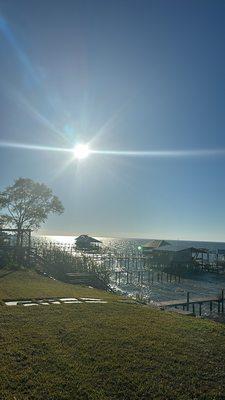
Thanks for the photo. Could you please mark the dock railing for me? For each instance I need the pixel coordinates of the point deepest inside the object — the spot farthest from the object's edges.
(192, 303)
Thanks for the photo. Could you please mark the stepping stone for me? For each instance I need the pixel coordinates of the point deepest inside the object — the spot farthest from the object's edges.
(96, 302)
(68, 299)
(89, 299)
(11, 303)
(71, 302)
(47, 302)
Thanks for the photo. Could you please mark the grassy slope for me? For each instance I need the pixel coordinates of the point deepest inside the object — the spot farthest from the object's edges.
(107, 351)
(28, 284)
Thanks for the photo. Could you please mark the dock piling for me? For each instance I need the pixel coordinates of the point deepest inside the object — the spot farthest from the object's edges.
(188, 299)
(210, 306)
(222, 300)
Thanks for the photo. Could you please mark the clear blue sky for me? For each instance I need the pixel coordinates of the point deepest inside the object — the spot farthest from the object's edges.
(122, 75)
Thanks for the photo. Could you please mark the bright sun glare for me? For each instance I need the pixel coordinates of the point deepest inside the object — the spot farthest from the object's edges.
(81, 151)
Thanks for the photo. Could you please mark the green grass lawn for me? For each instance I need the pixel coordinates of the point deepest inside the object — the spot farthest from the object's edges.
(28, 284)
(104, 351)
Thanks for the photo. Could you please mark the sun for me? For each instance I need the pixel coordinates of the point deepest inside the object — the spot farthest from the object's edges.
(81, 151)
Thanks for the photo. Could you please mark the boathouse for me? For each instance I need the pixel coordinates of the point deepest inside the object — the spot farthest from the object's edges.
(85, 242)
(155, 244)
(161, 252)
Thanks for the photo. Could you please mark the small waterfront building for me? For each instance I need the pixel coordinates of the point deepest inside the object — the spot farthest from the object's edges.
(163, 253)
(85, 242)
(155, 244)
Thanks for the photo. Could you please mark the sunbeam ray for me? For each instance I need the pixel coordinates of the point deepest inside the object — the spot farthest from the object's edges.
(34, 147)
(126, 153)
(110, 123)
(21, 100)
(162, 153)
(22, 56)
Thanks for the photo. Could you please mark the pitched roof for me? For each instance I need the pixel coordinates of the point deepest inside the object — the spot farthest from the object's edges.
(163, 245)
(86, 238)
(155, 244)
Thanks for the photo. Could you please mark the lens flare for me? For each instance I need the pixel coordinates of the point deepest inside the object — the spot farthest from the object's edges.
(81, 151)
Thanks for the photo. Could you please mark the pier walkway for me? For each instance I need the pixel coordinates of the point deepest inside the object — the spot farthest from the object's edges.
(188, 303)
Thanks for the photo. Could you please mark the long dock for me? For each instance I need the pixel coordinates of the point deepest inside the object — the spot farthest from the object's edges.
(188, 303)
(173, 303)
(145, 275)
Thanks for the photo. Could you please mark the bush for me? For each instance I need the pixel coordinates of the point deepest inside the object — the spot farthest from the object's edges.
(57, 262)
(11, 258)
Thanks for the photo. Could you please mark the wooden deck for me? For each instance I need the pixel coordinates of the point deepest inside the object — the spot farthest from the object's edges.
(192, 303)
(174, 303)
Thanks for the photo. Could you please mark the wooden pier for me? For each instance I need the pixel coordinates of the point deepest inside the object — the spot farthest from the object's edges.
(189, 304)
(142, 276)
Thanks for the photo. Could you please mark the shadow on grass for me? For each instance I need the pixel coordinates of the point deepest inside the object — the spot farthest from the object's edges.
(6, 273)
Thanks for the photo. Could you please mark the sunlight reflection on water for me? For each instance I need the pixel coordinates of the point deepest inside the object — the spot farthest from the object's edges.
(199, 285)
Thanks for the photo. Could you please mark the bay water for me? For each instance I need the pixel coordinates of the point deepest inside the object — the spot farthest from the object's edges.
(200, 284)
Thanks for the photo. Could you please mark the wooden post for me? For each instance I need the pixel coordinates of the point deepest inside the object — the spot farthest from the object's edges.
(222, 299)
(210, 306)
(200, 309)
(188, 299)
(218, 306)
(193, 308)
